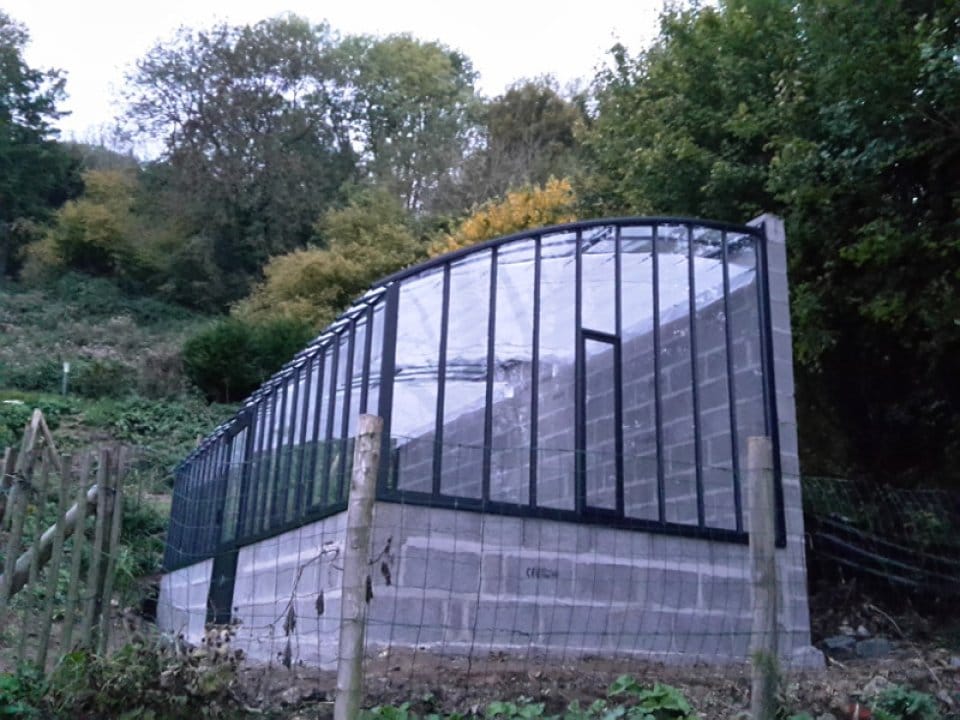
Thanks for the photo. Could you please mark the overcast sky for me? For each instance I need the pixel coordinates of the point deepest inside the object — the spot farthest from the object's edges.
(96, 40)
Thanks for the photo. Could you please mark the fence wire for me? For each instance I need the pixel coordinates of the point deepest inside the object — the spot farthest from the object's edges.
(463, 598)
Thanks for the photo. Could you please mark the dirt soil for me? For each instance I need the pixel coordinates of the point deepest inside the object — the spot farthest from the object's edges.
(435, 684)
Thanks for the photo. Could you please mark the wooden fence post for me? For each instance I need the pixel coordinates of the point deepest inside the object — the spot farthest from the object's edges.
(53, 570)
(96, 552)
(356, 568)
(79, 538)
(763, 645)
(113, 548)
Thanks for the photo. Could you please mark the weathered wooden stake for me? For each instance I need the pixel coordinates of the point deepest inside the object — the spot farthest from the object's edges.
(34, 568)
(53, 570)
(97, 551)
(17, 508)
(356, 568)
(79, 538)
(6, 482)
(112, 549)
(763, 644)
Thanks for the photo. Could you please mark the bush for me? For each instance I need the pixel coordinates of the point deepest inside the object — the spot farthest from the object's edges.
(229, 359)
(103, 378)
(900, 703)
(40, 376)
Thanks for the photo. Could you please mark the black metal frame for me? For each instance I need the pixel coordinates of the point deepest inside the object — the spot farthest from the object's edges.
(263, 505)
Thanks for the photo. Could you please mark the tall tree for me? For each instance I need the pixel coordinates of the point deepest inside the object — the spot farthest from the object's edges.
(412, 109)
(252, 148)
(36, 173)
(526, 136)
(841, 117)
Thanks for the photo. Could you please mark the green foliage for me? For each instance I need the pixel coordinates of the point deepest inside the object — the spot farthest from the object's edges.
(103, 378)
(36, 173)
(22, 692)
(633, 702)
(900, 703)
(231, 357)
(142, 682)
(365, 240)
(834, 115)
(16, 409)
(254, 150)
(411, 104)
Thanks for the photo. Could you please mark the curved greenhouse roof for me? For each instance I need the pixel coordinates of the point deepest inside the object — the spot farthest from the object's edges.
(603, 369)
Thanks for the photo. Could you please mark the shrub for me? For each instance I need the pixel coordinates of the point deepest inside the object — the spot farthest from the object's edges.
(43, 375)
(900, 703)
(229, 359)
(103, 378)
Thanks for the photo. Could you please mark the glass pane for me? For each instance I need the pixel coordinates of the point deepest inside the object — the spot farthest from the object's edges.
(414, 412)
(355, 388)
(598, 278)
(745, 340)
(676, 392)
(512, 364)
(376, 358)
(556, 440)
(600, 425)
(637, 374)
(465, 386)
(335, 459)
(236, 458)
(319, 465)
(712, 386)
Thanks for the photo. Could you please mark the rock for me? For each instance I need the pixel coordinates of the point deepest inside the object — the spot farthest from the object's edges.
(847, 629)
(807, 657)
(873, 648)
(840, 646)
(876, 686)
(955, 661)
(862, 632)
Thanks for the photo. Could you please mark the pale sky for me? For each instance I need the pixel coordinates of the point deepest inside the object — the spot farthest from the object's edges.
(95, 41)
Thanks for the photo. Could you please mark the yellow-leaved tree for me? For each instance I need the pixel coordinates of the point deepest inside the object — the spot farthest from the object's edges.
(364, 241)
(522, 209)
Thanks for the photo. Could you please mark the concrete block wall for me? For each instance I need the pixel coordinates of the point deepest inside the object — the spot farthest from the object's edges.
(456, 582)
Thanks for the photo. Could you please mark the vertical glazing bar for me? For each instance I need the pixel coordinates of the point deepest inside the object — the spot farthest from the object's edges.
(245, 476)
(488, 403)
(731, 387)
(276, 442)
(617, 371)
(321, 361)
(769, 381)
(280, 426)
(262, 449)
(441, 381)
(535, 373)
(331, 414)
(657, 400)
(388, 363)
(579, 364)
(367, 345)
(300, 480)
(291, 447)
(694, 375)
(345, 419)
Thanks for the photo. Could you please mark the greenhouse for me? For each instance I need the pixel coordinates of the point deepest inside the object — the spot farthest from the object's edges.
(591, 385)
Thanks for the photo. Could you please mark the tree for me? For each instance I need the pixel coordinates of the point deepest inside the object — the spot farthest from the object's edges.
(36, 174)
(253, 149)
(841, 117)
(365, 240)
(94, 234)
(411, 105)
(522, 209)
(528, 135)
